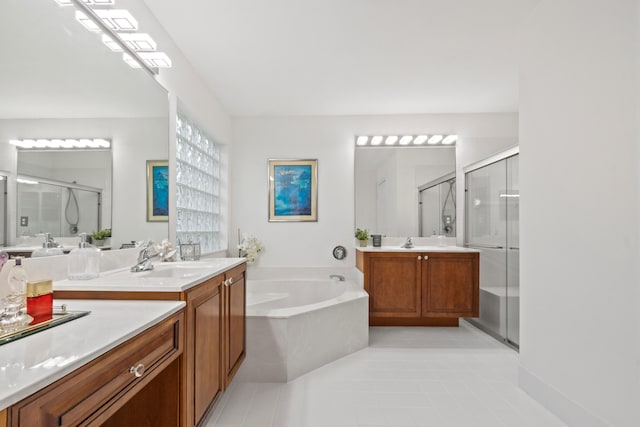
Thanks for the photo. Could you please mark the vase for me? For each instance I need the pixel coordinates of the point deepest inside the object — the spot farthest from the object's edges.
(363, 243)
(98, 242)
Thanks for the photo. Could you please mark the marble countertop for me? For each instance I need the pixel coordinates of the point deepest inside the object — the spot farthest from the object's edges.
(32, 363)
(416, 249)
(165, 277)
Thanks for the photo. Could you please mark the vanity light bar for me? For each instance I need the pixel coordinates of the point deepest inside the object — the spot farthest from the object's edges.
(114, 19)
(93, 143)
(119, 28)
(152, 59)
(89, 2)
(140, 42)
(406, 140)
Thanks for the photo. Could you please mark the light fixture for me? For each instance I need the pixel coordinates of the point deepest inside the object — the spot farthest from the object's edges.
(139, 42)
(89, 2)
(449, 139)
(420, 139)
(119, 29)
(434, 139)
(403, 140)
(114, 19)
(57, 143)
(152, 59)
(391, 139)
(26, 181)
(406, 140)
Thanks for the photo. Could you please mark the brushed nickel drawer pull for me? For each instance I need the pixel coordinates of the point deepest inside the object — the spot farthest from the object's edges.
(229, 282)
(138, 370)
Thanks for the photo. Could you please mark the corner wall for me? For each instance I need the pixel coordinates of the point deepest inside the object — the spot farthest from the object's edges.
(579, 146)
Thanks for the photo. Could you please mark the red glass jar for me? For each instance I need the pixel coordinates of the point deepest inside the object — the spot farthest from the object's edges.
(40, 300)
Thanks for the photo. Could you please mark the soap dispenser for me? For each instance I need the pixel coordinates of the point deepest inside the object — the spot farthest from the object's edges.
(84, 261)
(49, 248)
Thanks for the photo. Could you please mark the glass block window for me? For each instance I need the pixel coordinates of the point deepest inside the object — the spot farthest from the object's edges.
(197, 187)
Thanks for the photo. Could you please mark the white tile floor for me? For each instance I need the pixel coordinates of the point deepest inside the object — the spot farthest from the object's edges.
(435, 377)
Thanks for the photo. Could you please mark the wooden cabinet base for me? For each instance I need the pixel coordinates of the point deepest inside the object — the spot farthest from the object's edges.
(413, 321)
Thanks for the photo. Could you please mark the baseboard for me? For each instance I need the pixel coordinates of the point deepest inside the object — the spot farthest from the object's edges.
(560, 405)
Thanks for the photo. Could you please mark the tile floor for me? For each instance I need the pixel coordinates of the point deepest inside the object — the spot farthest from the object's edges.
(427, 377)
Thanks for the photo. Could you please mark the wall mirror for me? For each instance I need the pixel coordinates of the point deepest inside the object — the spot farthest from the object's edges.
(391, 181)
(59, 80)
(3, 209)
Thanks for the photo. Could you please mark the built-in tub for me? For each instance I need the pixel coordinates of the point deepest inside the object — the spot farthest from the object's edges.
(297, 325)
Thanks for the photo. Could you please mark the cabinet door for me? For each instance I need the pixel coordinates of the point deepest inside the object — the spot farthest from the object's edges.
(450, 283)
(235, 304)
(206, 308)
(393, 283)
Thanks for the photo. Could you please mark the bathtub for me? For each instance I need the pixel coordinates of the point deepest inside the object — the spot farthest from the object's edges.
(297, 325)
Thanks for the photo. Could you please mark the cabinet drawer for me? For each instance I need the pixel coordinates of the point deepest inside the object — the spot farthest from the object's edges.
(91, 393)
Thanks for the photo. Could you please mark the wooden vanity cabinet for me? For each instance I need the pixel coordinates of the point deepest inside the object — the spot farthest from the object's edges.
(134, 384)
(215, 336)
(420, 289)
(235, 321)
(203, 367)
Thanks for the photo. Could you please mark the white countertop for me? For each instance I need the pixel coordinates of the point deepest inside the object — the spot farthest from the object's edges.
(165, 277)
(32, 363)
(416, 249)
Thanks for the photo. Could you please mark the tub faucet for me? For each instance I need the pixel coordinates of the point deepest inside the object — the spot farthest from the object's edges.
(144, 260)
(408, 244)
(338, 277)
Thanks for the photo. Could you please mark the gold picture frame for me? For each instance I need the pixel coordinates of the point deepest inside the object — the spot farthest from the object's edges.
(157, 191)
(293, 190)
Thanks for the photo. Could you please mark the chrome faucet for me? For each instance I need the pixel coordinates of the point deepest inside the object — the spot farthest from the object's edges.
(338, 277)
(144, 260)
(408, 244)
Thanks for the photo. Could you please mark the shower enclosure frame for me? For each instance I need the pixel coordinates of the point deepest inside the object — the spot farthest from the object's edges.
(502, 156)
(445, 178)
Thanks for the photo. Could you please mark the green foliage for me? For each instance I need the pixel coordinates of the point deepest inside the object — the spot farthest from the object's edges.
(101, 235)
(362, 234)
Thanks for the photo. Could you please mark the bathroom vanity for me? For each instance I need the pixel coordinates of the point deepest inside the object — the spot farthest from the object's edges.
(214, 292)
(117, 366)
(421, 286)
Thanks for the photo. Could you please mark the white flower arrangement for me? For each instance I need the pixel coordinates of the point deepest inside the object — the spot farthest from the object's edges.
(249, 248)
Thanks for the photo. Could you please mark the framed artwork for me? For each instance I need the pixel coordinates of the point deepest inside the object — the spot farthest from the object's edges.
(157, 190)
(293, 190)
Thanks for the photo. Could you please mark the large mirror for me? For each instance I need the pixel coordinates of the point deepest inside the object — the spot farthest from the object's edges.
(59, 80)
(406, 191)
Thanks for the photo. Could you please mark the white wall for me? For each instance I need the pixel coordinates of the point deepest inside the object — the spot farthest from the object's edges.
(331, 141)
(579, 145)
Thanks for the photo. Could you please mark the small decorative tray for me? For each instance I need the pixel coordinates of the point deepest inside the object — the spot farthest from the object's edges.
(60, 315)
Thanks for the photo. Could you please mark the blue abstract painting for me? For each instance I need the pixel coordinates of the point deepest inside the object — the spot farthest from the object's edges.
(292, 190)
(160, 190)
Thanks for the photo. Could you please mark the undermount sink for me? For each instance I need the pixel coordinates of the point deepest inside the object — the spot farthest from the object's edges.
(178, 272)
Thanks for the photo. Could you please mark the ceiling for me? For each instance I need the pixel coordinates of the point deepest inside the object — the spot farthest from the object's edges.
(340, 57)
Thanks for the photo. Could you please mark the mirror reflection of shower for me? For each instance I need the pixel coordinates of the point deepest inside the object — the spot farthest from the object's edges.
(72, 211)
(437, 207)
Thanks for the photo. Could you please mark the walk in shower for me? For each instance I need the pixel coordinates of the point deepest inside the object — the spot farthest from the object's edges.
(492, 227)
(437, 207)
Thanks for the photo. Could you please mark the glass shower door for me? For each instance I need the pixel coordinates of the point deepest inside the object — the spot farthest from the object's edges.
(493, 222)
(486, 231)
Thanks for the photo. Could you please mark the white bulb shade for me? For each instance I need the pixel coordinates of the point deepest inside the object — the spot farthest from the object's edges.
(376, 140)
(449, 139)
(391, 139)
(435, 139)
(117, 19)
(102, 143)
(362, 140)
(406, 140)
(420, 139)
(87, 22)
(156, 59)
